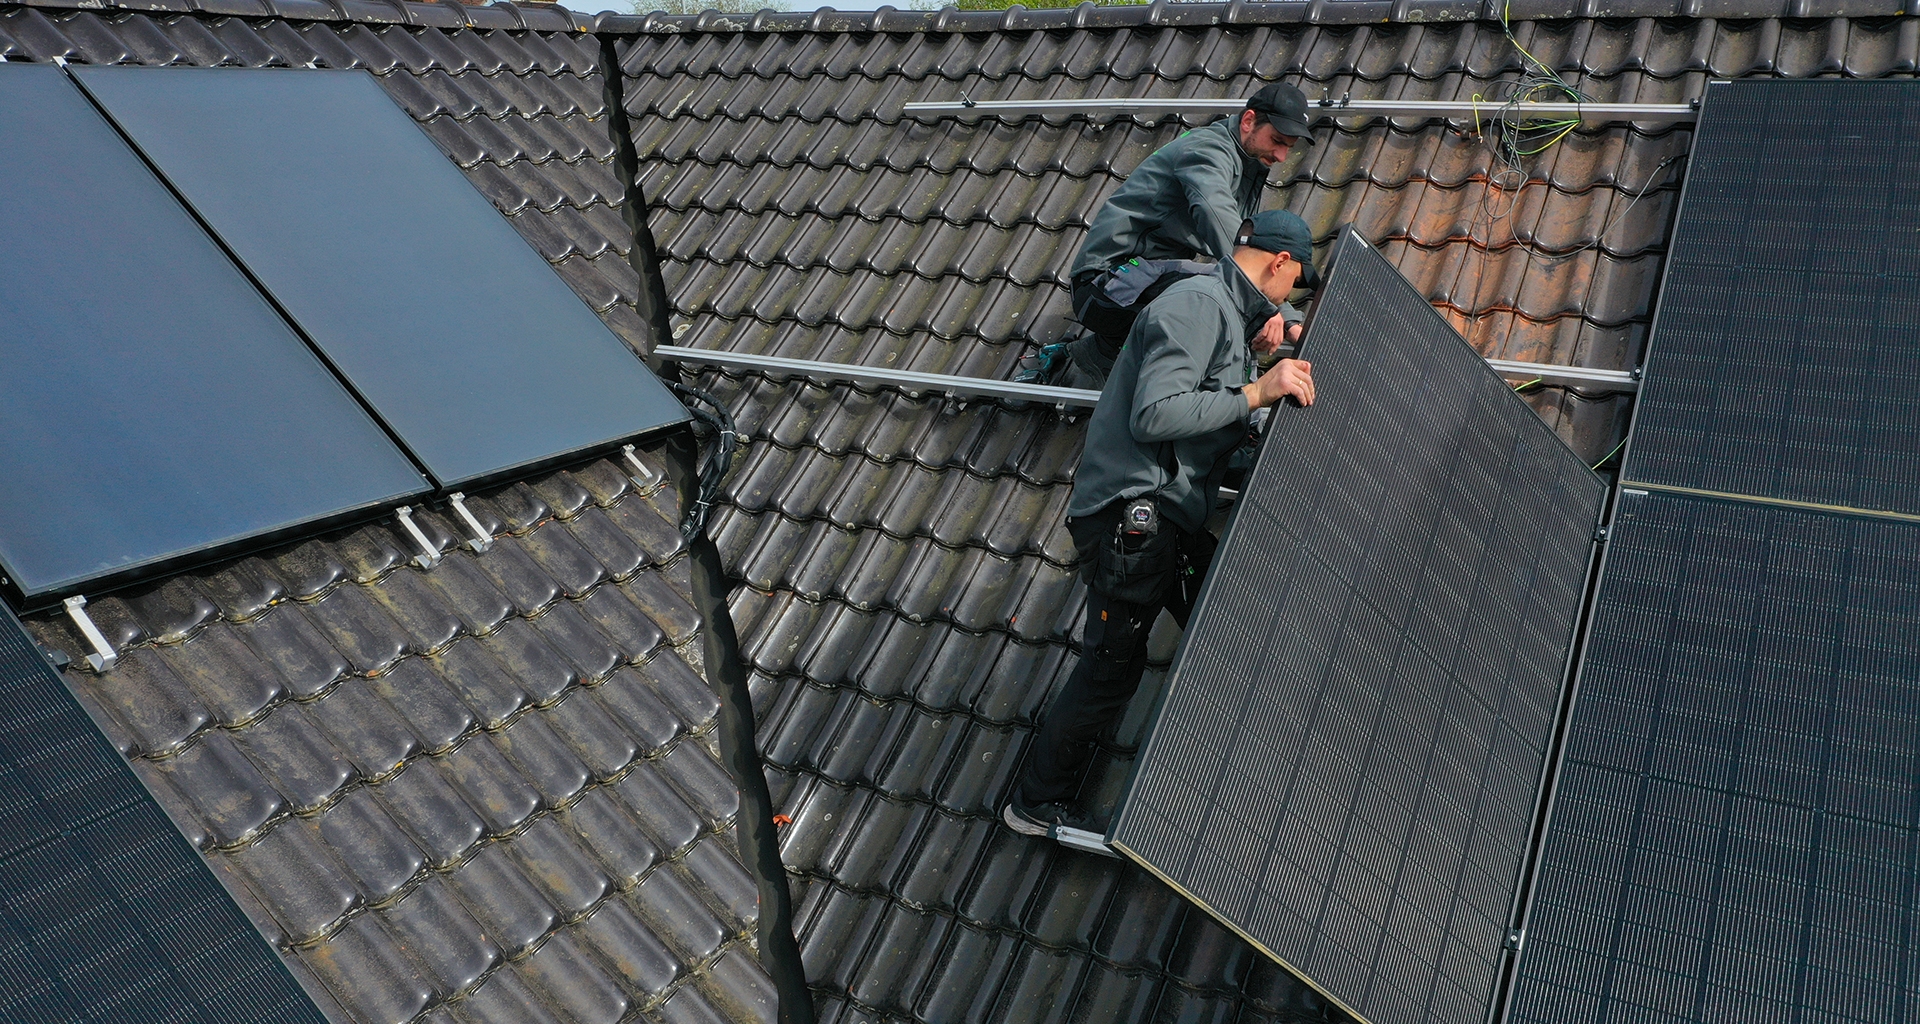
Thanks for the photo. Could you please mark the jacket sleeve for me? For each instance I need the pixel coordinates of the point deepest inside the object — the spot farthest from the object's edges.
(1177, 334)
(1209, 174)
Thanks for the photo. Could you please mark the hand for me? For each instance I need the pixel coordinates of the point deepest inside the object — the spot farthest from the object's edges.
(1272, 333)
(1287, 377)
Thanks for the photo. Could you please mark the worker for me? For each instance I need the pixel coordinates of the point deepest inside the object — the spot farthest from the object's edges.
(1176, 406)
(1182, 202)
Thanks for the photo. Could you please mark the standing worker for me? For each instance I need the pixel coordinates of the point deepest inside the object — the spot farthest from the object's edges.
(1184, 201)
(1174, 409)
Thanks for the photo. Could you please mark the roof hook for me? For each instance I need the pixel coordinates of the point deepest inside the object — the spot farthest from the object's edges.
(967, 101)
(103, 657)
(644, 477)
(429, 555)
(482, 540)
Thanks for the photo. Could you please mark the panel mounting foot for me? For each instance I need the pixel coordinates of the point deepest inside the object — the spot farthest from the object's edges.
(429, 555)
(103, 657)
(1081, 839)
(644, 477)
(482, 540)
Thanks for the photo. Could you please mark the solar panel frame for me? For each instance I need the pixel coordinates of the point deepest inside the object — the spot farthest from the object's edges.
(419, 293)
(155, 411)
(107, 914)
(1367, 904)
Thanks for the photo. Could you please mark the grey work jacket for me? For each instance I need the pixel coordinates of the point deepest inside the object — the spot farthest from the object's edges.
(1172, 411)
(1185, 200)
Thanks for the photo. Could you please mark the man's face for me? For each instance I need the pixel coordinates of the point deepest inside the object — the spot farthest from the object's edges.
(1262, 140)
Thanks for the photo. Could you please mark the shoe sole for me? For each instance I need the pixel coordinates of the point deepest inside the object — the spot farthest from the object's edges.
(1023, 825)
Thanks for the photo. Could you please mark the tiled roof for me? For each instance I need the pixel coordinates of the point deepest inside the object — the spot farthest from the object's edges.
(491, 791)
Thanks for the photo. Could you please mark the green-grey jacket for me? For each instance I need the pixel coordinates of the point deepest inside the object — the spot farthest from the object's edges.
(1185, 200)
(1172, 411)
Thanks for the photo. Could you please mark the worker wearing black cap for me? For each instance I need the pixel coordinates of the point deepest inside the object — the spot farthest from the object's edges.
(1173, 411)
(1184, 201)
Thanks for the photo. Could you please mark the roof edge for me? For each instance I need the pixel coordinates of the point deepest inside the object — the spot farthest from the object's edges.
(1179, 14)
(445, 14)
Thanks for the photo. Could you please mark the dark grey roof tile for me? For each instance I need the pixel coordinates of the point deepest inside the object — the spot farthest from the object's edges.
(902, 955)
(1207, 955)
(157, 708)
(370, 49)
(228, 796)
(633, 634)
(662, 813)
(569, 632)
(793, 725)
(1118, 996)
(642, 963)
(289, 748)
(513, 913)
(569, 976)
(913, 763)
(683, 690)
(417, 606)
(611, 832)
(364, 729)
(543, 759)
(366, 970)
(949, 848)
(942, 659)
(302, 886)
(673, 912)
(1071, 905)
(371, 640)
(664, 604)
(549, 854)
(461, 589)
(594, 735)
(973, 966)
(978, 780)
(230, 679)
(725, 885)
(435, 715)
(442, 935)
(520, 579)
(439, 821)
(639, 710)
(480, 680)
(738, 989)
(1037, 977)
(539, 670)
(491, 784)
(1011, 687)
(878, 845)
(836, 934)
(370, 845)
(702, 783)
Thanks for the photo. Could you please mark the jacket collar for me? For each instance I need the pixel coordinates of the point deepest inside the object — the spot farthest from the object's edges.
(1254, 307)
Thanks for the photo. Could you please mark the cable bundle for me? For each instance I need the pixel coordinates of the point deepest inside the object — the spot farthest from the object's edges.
(717, 460)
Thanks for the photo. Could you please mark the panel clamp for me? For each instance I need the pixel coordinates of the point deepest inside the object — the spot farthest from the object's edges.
(1081, 839)
(644, 477)
(1599, 535)
(429, 555)
(1516, 937)
(482, 540)
(103, 657)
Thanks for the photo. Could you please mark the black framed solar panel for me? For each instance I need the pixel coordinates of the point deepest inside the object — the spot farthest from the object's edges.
(107, 915)
(1345, 765)
(1786, 355)
(461, 336)
(153, 407)
(1735, 831)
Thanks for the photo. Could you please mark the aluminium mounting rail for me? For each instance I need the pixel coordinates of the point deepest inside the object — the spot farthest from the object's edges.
(917, 383)
(1486, 110)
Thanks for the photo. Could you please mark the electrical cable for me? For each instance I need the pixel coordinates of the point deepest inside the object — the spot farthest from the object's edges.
(717, 460)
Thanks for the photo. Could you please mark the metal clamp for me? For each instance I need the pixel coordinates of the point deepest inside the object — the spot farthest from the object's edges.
(103, 657)
(644, 477)
(429, 555)
(1081, 839)
(482, 540)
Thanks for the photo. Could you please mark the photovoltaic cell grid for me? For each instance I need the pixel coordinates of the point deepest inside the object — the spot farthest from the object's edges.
(456, 332)
(1734, 837)
(152, 404)
(1346, 763)
(106, 914)
(1786, 355)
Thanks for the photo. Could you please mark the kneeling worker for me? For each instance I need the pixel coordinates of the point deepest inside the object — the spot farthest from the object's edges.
(1174, 410)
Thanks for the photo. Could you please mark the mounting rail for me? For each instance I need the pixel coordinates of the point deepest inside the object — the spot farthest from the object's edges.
(915, 383)
(1462, 110)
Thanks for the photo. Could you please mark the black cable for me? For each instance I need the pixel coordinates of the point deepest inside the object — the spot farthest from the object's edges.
(717, 460)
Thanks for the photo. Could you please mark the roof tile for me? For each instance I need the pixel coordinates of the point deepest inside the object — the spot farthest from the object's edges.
(365, 969)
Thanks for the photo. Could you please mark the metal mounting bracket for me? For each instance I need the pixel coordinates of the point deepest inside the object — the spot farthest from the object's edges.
(429, 555)
(1081, 839)
(103, 657)
(644, 477)
(482, 540)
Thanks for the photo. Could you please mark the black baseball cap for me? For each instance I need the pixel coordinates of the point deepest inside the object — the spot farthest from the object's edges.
(1284, 107)
(1281, 231)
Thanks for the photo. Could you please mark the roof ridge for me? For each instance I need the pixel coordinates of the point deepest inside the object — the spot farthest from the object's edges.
(444, 14)
(1186, 14)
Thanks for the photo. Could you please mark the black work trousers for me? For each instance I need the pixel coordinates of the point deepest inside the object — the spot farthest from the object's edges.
(1123, 600)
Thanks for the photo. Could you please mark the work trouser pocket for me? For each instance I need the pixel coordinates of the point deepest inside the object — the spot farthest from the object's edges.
(1137, 567)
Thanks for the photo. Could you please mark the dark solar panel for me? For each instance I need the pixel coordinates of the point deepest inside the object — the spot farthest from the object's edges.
(1734, 834)
(152, 405)
(1345, 766)
(1786, 356)
(426, 300)
(106, 914)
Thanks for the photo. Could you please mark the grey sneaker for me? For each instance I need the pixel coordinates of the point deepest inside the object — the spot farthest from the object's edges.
(1043, 819)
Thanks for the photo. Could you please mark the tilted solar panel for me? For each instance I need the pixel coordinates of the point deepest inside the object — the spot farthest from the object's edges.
(1786, 354)
(419, 292)
(1734, 833)
(1345, 766)
(107, 916)
(153, 407)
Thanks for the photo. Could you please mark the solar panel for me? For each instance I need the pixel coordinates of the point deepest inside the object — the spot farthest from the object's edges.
(106, 914)
(1786, 358)
(152, 406)
(1345, 765)
(1734, 833)
(461, 336)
